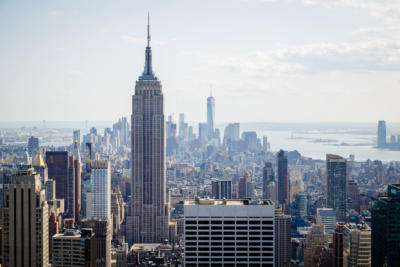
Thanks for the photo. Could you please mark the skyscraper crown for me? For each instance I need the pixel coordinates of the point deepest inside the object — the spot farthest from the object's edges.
(148, 74)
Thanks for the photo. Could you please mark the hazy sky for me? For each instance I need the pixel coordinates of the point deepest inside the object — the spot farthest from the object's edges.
(271, 60)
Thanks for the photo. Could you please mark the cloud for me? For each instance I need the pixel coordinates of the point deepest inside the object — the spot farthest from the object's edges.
(374, 55)
(387, 10)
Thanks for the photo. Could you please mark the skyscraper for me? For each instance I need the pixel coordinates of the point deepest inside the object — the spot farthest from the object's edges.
(25, 222)
(336, 168)
(98, 200)
(149, 212)
(385, 226)
(268, 177)
(77, 180)
(283, 181)
(210, 116)
(282, 239)
(33, 145)
(381, 134)
(61, 169)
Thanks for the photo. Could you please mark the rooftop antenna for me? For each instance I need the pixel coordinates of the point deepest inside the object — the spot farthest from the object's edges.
(148, 28)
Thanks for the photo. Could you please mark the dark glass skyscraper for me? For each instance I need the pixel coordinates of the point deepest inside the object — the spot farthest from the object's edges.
(336, 169)
(148, 218)
(283, 181)
(386, 228)
(268, 176)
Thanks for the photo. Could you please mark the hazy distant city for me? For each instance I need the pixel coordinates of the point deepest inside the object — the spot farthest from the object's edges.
(283, 158)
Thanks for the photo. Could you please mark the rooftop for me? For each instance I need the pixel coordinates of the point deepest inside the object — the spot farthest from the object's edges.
(228, 202)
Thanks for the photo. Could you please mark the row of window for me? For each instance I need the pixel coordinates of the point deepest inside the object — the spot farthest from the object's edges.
(228, 248)
(230, 254)
(264, 238)
(207, 227)
(229, 233)
(187, 244)
(228, 259)
(228, 222)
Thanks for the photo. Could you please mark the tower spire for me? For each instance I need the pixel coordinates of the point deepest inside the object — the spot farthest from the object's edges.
(148, 74)
(148, 29)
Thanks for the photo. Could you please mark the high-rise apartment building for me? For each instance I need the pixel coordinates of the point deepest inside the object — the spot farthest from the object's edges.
(282, 239)
(210, 116)
(98, 200)
(149, 211)
(25, 240)
(221, 189)
(283, 181)
(74, 248)
(381, 136)
(228, 233)
(336, 171)
(385, 226)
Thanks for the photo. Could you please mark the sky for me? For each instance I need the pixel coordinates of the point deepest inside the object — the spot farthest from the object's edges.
(264, 60)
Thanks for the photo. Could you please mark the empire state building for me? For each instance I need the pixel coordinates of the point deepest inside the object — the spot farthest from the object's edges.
(148, 220)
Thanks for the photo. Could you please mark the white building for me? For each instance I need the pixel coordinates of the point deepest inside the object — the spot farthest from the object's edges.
(228, 232)
(327, 217)
(99, 198)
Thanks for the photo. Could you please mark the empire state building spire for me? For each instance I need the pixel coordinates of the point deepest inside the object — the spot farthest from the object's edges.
(148, 74)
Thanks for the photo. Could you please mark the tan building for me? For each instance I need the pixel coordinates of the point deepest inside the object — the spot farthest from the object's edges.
(25, 222)
(316, 240)
(117, 210)
(74, 248)
(356, 245)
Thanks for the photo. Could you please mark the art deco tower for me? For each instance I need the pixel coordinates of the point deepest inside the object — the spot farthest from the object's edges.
(148, 220)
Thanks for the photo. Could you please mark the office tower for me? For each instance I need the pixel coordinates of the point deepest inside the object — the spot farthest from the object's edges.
(181, 125)
(381, 136)
(283, 181)
(301, 206)
(385, 226)
(203, 133)
(88, 152)
(41, 168)
(245, 186)
(61, 169)
(271, 192)
(353, 195)
(221, 189)
(268, 177)
(190, 133)
(228, 233)
(210, 116)
(356, 245)
(265, 144)
(338, 245)
(102, 236)
(33, 145)
(98, 200)
(25, 222)
(336, 171)
(50, 189)
(74, 248)
(77, 137)
(77, 180)
(316, 240)
(327, 217)
(250, 139)
(117, 210)
(149, 218)
(232, 132)
(283, 245)
(122, 255)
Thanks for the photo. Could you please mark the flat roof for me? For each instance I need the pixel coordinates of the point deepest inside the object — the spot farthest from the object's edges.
(228, 202)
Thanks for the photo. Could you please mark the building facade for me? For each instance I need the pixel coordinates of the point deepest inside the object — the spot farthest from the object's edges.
(228, 233)
(283, 181)
(25, 233)
(210, 116)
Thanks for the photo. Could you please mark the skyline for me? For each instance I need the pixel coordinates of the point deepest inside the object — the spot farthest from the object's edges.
(87, 55)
